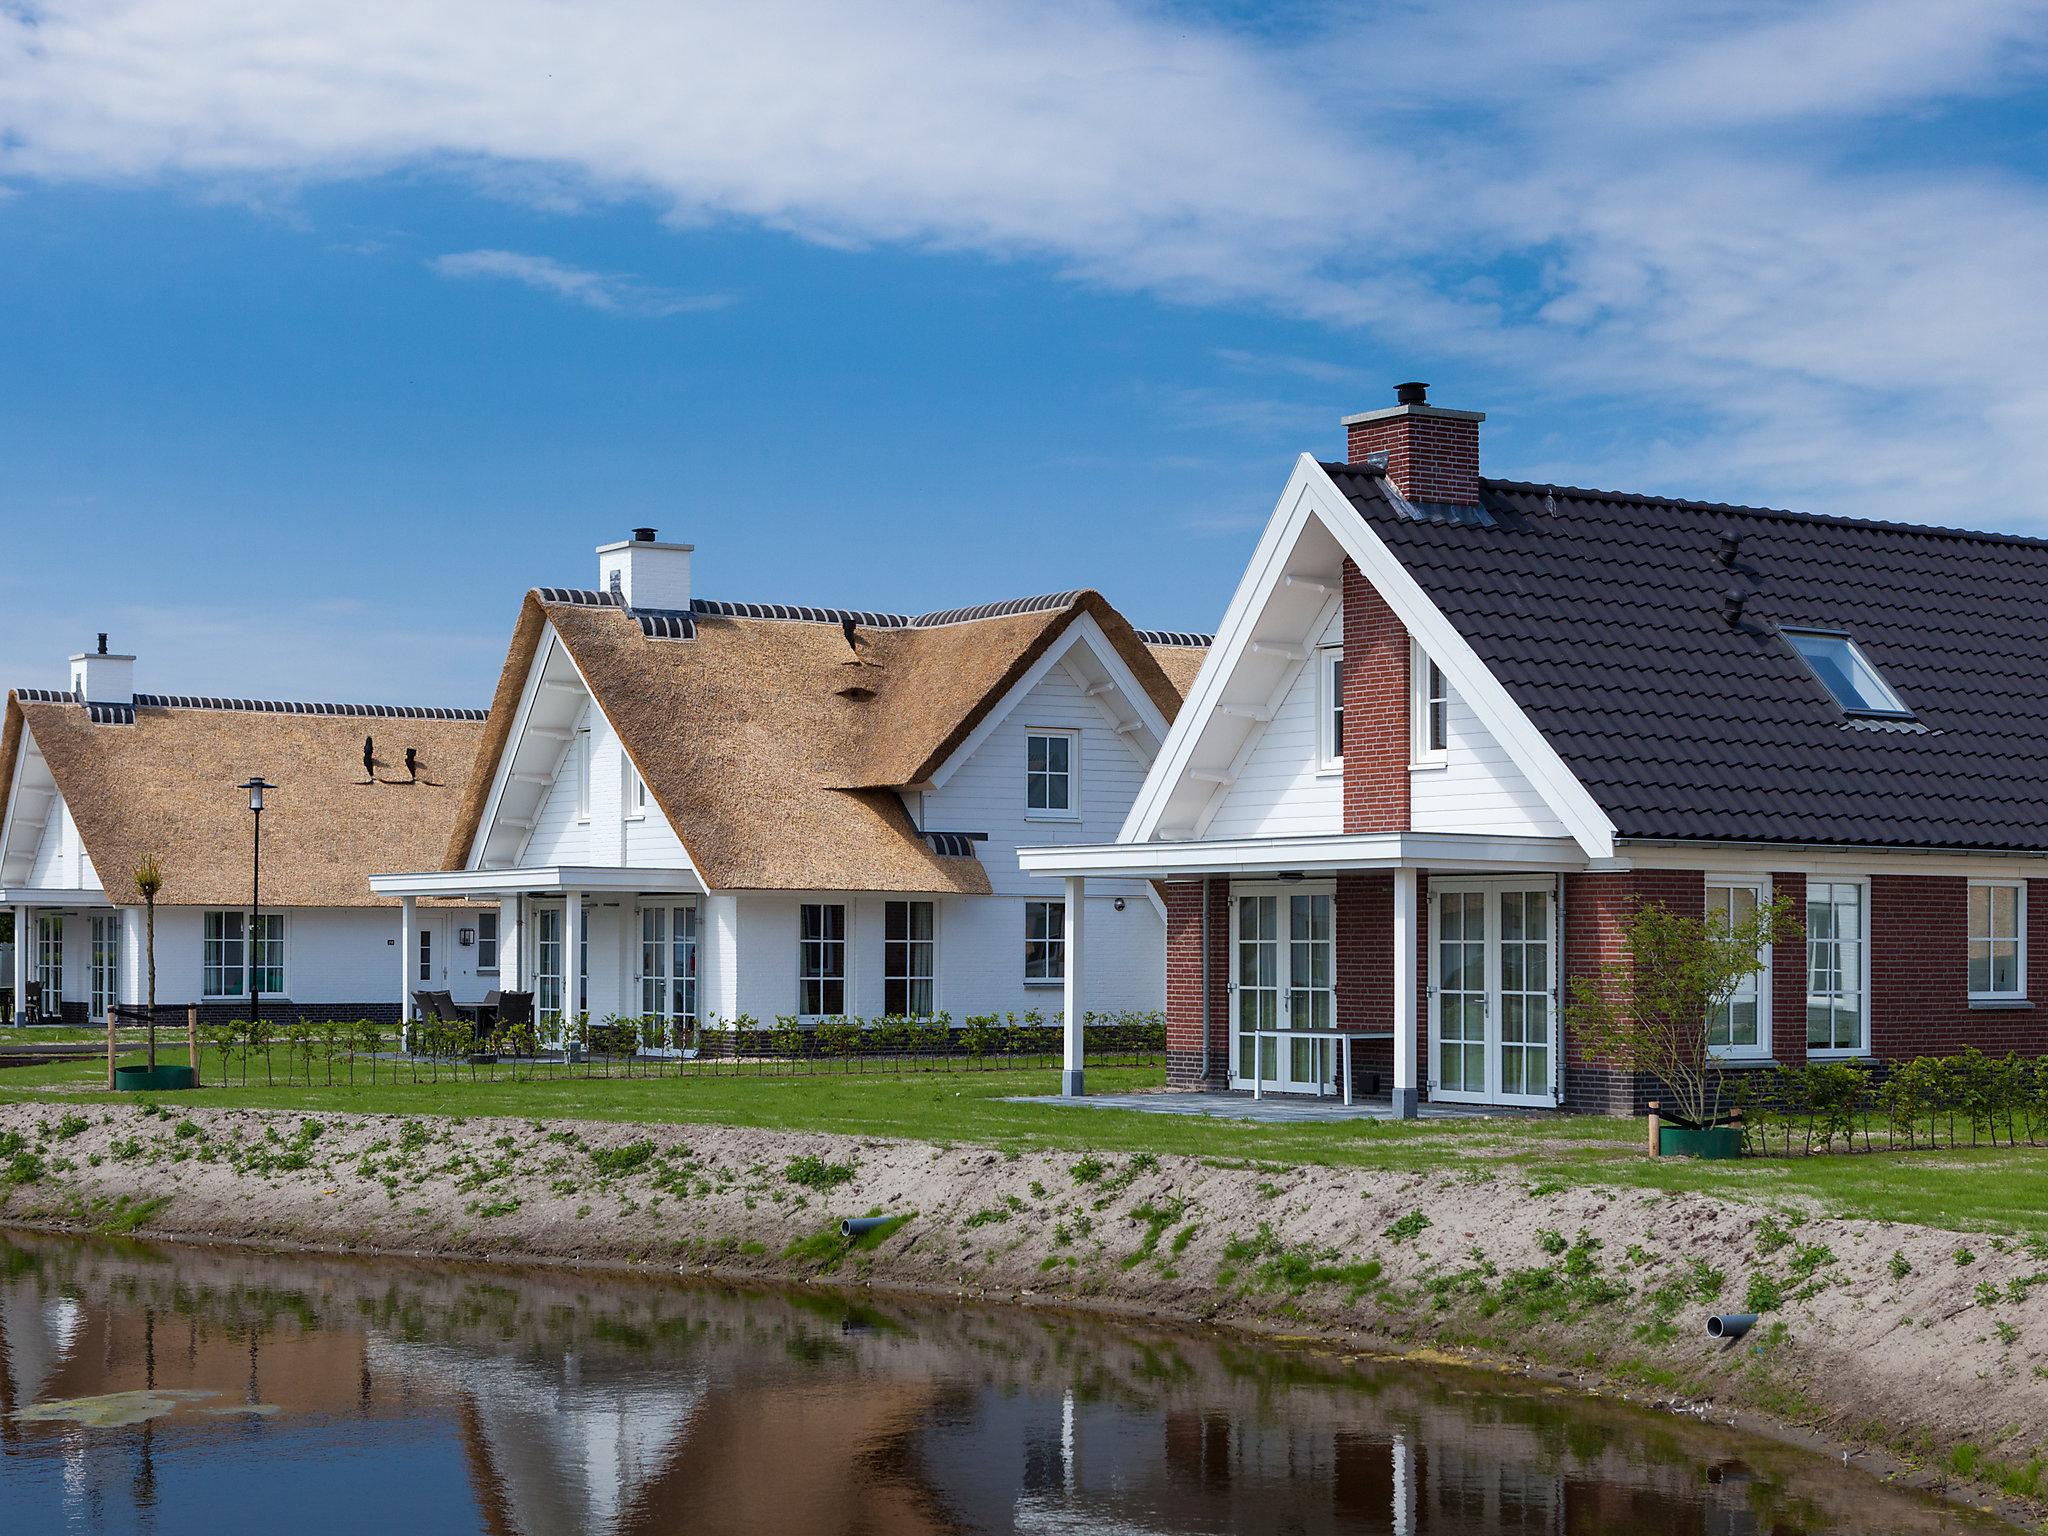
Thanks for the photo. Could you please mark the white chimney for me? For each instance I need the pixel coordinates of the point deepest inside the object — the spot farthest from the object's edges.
(99, 677)
(645, 573)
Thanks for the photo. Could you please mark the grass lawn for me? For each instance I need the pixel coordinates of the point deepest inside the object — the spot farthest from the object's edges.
(2002, 1189)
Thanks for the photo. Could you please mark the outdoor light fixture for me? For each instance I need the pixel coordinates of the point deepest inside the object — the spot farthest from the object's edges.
(466, 937)
(256, 786)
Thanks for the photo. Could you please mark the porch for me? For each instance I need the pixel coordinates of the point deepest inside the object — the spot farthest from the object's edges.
(584, 942)
(1398, 967)
(1275, 1109)
(75, 956)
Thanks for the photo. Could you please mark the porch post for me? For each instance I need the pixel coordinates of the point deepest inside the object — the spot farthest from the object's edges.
(512, 944)
(408, 949)
(131, 983)
(22, 939)
(1071, 1084)
(1404, 993)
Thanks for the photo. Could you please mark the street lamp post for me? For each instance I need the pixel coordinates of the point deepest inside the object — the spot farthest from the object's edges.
(255, 786)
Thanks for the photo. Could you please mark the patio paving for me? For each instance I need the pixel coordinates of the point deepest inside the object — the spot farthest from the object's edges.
(1274, 1109)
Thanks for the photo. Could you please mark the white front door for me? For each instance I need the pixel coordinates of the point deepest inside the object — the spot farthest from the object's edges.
(1493, 991)
(1283, 993)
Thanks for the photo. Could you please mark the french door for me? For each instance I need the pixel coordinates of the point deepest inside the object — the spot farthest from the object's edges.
(1283, 989)
(1493, 991)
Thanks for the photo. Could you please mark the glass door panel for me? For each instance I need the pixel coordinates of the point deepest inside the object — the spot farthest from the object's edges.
(1461, 992)
(1525, 1022)
(1311, 992)
(1257, 996)
(106, 964)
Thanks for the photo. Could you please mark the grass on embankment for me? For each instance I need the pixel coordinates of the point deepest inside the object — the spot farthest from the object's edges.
(2001, 1190)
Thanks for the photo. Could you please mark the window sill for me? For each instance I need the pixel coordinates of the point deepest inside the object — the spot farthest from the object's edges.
(1428, 764)
(1331, 770)
(1995, 1003)
(1744, 1063)
(1855, 1055)
(1045, 981)
(1052, 815)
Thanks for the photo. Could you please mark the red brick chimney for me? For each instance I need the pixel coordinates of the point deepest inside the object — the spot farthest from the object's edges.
(1431, 454)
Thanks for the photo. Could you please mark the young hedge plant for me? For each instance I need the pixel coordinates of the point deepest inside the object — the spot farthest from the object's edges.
(1648, 1011)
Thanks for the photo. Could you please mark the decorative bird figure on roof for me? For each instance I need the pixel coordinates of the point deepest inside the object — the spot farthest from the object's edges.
(412, 765)
(370, 759)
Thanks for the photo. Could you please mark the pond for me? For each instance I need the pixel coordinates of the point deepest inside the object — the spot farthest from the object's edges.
(168, 1389)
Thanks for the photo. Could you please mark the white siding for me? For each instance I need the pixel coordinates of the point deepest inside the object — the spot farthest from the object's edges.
(1280, 790)
(1479, 788)
(331, 954)
(980, 960)
(60, 862)
(559, 836)
(986, 793)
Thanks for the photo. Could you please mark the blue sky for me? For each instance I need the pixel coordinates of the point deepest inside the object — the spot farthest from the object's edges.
(329, 330)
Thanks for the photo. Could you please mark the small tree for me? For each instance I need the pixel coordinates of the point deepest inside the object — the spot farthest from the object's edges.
(1648, 1012)
(149, 881)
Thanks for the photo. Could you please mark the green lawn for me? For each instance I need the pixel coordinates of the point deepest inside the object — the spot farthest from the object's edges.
(2001, 1189)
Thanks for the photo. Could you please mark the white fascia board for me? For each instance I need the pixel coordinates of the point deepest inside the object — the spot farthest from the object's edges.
(1082, 630)
(1504, 719)
(51, 896)
(554, 877)
(1275, 855)
(1261, 575)
(1823, 860)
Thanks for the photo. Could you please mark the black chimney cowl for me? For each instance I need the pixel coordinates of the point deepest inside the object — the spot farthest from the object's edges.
(103, 642)
(1411, 394)
(643, 535)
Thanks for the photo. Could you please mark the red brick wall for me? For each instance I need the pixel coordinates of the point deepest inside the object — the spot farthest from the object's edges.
(1375, 710)
(1429, 457)
(1184, 983)
(1920, 978)
(1788, 979)
(1597, 908)
(1365, 972)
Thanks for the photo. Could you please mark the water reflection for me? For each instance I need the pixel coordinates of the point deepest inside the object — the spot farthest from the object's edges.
(435, 1399)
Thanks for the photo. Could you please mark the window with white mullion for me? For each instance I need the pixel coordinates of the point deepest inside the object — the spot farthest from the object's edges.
(821, 959)
(1045, 941)
(1739, 1024)
(1429, 711)
(1049, 774)
(907, 955)
(1998, 944)
(683, 962)
(1330, 683)
(654, 958)
(1837, 967)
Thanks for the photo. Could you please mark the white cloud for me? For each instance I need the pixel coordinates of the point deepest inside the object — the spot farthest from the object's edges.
(599, 290)
(1695, 186)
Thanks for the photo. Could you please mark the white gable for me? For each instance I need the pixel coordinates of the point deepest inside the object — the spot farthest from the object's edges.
(562, 789)
(985, 792)
(1279, 786)
(1509, 780)
(39, 843)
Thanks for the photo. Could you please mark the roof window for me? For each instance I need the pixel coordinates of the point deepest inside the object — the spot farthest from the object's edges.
(1847, 673)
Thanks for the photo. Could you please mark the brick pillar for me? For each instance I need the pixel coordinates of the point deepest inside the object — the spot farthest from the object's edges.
(1184, 984)
(1788, 979)
(1375, 710)
(1597, 909)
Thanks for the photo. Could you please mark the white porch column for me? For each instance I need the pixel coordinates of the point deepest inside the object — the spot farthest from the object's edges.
(573, 1000)
(22, 939)
(1074, 994)
(512, 944)
(408, 952)
(1404, 993)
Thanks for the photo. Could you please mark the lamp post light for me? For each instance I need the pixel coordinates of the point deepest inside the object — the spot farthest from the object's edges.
(256, 787)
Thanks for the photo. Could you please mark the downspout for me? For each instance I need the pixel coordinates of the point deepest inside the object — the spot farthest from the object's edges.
(1206, 982)
(1557, 991)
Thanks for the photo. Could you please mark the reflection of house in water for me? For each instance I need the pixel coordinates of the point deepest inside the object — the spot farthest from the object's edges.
(561, 1406)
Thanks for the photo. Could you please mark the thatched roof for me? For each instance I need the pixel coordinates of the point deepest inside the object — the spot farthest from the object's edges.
(161, 779)
(775, 751)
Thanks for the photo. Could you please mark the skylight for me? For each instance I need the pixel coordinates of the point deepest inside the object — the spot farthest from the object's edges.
(1841, 665)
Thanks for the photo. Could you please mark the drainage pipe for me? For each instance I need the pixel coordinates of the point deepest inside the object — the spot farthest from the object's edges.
(1730, 1325)
(855, 1226)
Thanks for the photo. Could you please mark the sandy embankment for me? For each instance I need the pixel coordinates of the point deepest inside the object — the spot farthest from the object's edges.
(1882, 1336)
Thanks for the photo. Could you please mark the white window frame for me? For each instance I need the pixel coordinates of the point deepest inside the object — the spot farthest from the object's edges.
(1841, 1053)
(103, 966)
(48, 958)
(635, 795)
(827, 949)
(1760, 887)
(550, 982)
(487, 940)
(1071, 811)
(1330, 709)
(245, 955)
(1055, 970)
(1428, 689)
(583, 774)
(910, 951)
(2018, 939)
(423, 956)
